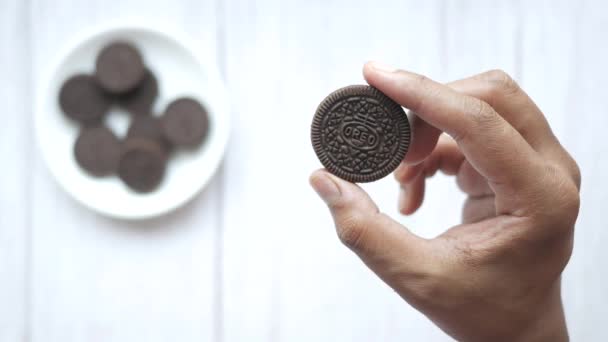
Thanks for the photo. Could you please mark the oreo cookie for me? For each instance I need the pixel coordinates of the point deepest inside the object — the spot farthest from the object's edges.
(82, 100)
(140, 159)
(185, 123)
(119, 68)
(359, 134)
(148, 127)
(141, 100)
(142, 164)
(97, 151)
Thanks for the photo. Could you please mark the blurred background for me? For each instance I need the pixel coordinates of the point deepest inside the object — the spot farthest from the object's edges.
(255, 256)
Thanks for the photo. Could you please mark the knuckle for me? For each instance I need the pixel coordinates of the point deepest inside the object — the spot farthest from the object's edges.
(400, 173)
(405, 174)
(422, 80)
(430, 93)
(351, 231)
(575, 172)
(498, 76)
(429, 87)
(564, 199)
(572, 202)
(501, 82)
(480, 114)
(568, 193)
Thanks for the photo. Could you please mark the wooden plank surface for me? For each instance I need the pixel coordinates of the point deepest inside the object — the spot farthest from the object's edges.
(251, 244)
(565, 72)
(97, 279)
(255, 257)
(287, 277)
(15, 148)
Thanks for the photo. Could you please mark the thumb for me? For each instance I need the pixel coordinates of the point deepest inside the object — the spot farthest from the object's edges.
(385, 246)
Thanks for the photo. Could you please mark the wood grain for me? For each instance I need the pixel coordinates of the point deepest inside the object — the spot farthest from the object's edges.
(15, 148)
(287, 276)
(255, 257)
(97, 279)
(565, 72)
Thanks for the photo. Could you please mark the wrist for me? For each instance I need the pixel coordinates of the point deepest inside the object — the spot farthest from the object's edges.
(550, 324)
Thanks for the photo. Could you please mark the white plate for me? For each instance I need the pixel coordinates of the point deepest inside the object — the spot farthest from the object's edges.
(181, 71)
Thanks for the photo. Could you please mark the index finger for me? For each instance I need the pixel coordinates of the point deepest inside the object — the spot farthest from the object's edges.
(491, 144)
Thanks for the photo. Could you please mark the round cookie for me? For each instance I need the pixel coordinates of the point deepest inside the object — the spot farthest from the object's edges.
(185, 123)
(119, 68)
(359, 134)
(141, 100)
(97, 151)
(148, 127)
(142, 164)
(82, 100)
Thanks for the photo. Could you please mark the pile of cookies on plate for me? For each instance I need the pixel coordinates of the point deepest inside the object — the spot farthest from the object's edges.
(122, 79)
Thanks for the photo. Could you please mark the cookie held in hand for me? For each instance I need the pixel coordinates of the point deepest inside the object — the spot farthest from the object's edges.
(359, 134)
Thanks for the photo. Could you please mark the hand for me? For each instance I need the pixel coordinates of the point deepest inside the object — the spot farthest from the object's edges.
(496, 276)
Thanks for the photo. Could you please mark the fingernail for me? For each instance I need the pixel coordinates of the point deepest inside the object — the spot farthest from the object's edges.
(325, 187)
(382, 67)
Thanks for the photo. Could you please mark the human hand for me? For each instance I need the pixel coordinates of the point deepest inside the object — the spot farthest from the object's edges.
(496, 276)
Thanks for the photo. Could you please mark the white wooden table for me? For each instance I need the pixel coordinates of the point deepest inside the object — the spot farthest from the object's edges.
(255, 257)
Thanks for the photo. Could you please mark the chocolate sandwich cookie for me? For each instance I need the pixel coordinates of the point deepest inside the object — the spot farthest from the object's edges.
(359, 134)
(119, 68)
(148, 127)
(82, 99)
(142, 164)
(97, 151)
(141, 100)
(185, 123)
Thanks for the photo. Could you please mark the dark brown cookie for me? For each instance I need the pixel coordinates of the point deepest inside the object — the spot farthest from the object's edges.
(82, 99)
(97, 151)
(141, 100)
(185, 123)
(148, 127)
(359, 134)
(119, 68)
(142, 164)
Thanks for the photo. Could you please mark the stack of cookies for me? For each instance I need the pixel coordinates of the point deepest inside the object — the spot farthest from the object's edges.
(122, 79)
